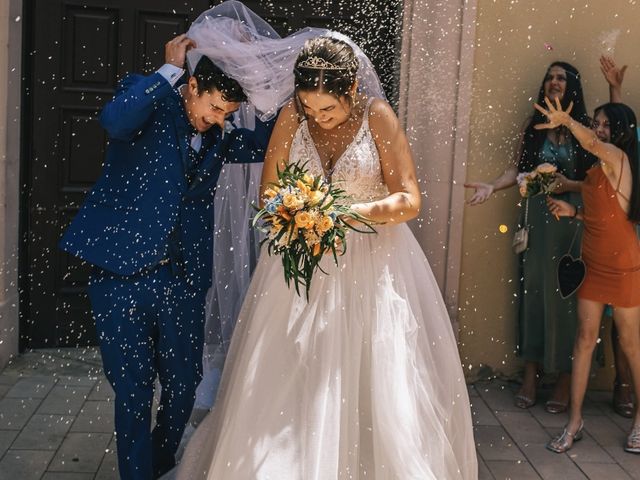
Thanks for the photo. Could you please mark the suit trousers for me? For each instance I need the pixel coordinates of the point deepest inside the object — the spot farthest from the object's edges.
(150, 325)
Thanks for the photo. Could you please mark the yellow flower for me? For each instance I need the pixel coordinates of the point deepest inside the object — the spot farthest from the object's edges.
(325, 224)
(270, 192)
(314, 197)
(292, 202)
(308, 179)
(546, 168)
(304, 220)
(302, 187)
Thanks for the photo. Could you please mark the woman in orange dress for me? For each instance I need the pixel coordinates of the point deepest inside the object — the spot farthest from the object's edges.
(610, 250)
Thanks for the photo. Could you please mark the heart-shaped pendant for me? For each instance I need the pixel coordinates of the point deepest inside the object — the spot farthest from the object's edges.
(571, 273)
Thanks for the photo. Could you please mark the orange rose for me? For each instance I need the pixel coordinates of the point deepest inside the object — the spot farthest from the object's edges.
(325, 224)
(546, 168)
(304, 220)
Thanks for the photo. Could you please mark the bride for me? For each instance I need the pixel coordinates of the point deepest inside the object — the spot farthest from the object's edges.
(363, 380)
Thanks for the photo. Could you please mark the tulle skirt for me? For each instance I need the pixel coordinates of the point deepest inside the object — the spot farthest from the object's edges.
(363, 381)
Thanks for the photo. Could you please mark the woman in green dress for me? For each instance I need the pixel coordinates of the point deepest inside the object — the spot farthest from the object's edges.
(547, 322)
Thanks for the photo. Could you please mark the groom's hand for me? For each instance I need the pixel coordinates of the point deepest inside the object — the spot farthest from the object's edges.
(175, 51)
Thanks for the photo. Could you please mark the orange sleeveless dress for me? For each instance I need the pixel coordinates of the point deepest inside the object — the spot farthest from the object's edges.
(610, 245)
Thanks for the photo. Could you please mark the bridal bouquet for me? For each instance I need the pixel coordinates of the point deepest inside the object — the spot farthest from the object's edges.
(304, 218)
(537, 181)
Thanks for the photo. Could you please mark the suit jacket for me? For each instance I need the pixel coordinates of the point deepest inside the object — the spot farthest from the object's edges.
(148, 199)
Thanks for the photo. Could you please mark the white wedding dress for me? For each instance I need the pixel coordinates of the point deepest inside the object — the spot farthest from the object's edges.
(363, 381)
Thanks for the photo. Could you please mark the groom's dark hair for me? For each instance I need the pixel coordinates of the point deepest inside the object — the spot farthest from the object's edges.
(210, 77)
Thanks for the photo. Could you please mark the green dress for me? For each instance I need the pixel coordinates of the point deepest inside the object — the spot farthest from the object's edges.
(548, 323)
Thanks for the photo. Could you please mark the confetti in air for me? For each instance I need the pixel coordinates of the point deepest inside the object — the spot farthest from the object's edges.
(607, 41)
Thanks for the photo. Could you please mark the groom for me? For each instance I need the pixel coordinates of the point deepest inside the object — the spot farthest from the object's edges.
(146, 229)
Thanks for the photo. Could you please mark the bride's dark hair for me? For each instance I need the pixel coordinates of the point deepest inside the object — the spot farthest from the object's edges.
(327, 65)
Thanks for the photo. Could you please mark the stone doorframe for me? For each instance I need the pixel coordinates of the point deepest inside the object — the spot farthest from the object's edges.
(10, 96)
(436, 74)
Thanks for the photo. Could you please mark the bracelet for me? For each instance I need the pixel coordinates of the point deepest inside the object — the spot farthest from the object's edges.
(575, 214)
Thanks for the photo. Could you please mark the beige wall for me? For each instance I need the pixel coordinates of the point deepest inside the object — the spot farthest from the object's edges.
(515, 41)
(435, 94)
(10, 34)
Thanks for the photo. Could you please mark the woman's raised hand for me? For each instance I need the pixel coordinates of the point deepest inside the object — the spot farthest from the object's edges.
(612, 74)
(482, 192)
(555, 115)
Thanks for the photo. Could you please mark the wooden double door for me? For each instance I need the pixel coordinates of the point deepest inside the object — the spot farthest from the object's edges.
(74, 53)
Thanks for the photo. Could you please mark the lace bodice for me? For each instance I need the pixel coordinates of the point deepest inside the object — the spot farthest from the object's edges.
(357, 171)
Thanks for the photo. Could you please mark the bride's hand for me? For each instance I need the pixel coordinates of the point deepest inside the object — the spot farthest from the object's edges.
(555, 115)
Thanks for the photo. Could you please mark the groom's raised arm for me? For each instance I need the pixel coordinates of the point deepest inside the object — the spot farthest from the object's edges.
(127, 113)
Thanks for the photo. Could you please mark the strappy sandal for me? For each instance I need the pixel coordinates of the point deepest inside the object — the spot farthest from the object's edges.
(564, 442)
(522, 401)
(624, 409)
(554, 406)
(633, 440)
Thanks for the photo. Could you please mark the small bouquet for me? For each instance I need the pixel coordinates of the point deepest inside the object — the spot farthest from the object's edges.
(303, 219)
(537, 181)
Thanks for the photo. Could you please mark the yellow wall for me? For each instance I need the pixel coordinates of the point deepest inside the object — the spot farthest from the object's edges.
(515, 42)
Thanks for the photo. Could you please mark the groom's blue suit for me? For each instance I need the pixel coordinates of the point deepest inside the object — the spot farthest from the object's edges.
(146, 226)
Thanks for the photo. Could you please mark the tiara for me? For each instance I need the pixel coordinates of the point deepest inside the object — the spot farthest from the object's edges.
(317, 63)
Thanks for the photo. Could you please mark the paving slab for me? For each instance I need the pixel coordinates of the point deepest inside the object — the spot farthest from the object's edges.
(43, 432)
(16, 412)
(31, 387)
(78, 381)
(7, 379)
(601, 471)
(80, 452)
(494, 443)
(498, 396)
(64, 400)
(68, 476)
(629, 462)
(604, 431)
(481, 414)
(102, 390)
(109, 466)
(6, 439)
(95, 416)
(3, 390)
(522, 427)
(24, 464)
(550, 465)
(512, 470)
(483, 471)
